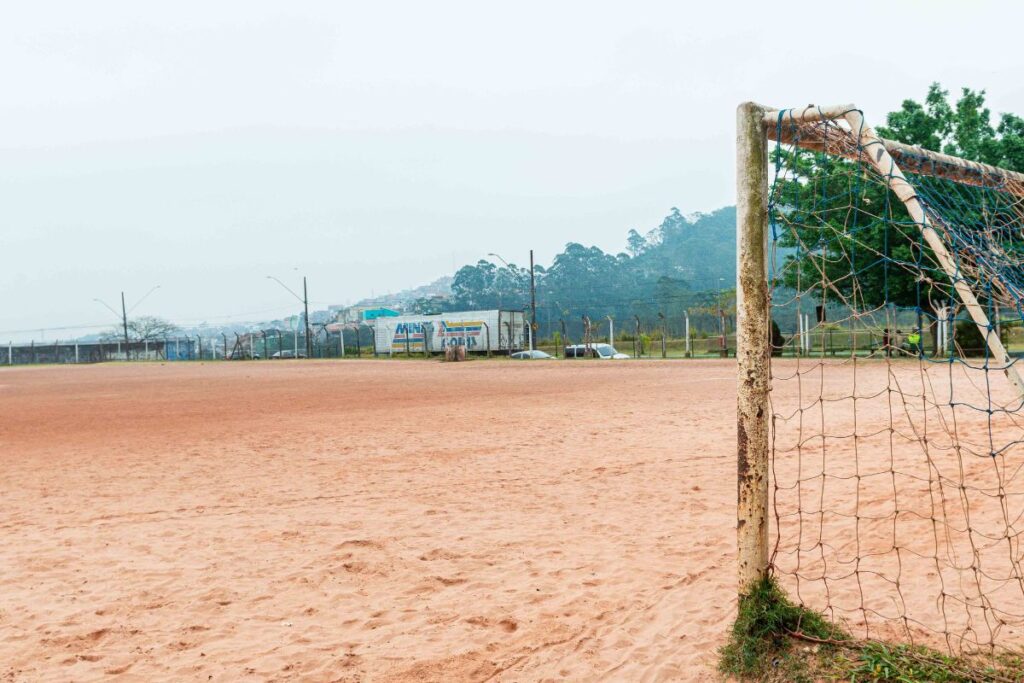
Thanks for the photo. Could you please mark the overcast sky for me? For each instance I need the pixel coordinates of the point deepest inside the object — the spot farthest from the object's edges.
(373, 146)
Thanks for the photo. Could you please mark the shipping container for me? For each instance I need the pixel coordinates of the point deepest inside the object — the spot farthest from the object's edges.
(479, 331)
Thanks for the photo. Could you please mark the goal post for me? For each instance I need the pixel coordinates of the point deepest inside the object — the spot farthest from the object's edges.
(752, 344)
(883, 481)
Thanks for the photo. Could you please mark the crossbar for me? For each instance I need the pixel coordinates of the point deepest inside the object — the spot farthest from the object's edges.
(917, 160)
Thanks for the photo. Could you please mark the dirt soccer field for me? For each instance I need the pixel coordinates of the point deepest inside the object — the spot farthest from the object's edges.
(362, 520)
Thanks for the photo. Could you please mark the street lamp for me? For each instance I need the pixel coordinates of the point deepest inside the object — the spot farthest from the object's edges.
(533, 295)
(305, 303)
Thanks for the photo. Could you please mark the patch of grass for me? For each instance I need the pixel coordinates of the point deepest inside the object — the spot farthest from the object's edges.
(761, 644)
(775, 640)
(875, 661)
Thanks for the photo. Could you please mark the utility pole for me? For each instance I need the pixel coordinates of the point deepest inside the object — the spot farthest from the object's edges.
(305, 302)
(124, 321)
(533, 303)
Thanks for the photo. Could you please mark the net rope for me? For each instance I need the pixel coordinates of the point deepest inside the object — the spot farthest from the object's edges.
(897, 442)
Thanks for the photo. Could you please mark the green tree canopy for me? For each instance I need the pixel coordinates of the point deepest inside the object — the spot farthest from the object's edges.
(855, 232)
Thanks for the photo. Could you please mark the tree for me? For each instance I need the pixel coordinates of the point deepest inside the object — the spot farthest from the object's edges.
(144, 328)
(635, 243)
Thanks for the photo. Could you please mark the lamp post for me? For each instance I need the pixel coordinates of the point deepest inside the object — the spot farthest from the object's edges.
(305, 304)
(533, 294)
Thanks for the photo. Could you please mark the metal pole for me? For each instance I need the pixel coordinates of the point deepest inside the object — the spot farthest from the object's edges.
(799, 333)
(295, 342)
(611, 331)
(686, 332)
(533, 303)
(752, 346)
(305, 303)
(124, 321)
(639, 341)
(10, 353)
(664, 332)
(76, 352)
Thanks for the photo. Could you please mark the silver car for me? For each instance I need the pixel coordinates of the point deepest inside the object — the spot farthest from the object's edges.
(602, 351)
(536, 354)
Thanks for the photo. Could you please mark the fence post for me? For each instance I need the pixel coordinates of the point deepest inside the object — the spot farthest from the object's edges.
(686, 333)
(752, 345)
(76, 353)
(639, 340)
(664, 333)
(10, 353)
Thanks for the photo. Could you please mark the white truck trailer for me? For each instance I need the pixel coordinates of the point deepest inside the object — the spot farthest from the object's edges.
(479, 331)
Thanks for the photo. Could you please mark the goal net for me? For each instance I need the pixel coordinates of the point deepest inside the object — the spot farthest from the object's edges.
(895, 435)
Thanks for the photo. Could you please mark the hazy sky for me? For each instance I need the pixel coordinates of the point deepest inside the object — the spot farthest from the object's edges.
(372, 146)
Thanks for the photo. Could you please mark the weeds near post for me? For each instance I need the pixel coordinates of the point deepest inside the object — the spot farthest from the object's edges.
(761, 641)
(776, 640)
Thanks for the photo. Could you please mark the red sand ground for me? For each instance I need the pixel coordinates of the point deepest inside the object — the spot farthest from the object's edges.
(361, 520)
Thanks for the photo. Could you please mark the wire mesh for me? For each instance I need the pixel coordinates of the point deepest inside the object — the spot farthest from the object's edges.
(898, 490)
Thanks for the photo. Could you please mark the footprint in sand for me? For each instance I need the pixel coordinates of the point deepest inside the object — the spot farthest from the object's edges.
(507, 624)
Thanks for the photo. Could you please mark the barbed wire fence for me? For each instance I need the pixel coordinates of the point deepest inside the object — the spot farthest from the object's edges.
(699, 332)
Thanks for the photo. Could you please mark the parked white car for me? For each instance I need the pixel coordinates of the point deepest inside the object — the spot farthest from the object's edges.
(602, 351)
(536, 354)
